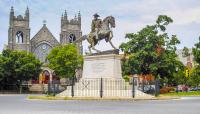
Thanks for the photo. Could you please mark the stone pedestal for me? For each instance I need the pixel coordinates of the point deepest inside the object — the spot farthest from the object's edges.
(102, 66)
(112, 85)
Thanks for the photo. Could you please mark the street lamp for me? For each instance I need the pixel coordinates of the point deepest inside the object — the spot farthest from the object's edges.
(177, 83)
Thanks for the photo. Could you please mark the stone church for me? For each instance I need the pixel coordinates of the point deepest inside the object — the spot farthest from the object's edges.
(41, 44)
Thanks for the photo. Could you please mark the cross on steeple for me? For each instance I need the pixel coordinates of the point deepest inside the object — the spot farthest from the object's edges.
(44, 22)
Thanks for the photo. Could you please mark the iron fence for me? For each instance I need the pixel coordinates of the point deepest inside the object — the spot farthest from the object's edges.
(106, 87)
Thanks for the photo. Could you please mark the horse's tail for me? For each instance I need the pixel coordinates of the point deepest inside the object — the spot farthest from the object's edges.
(84, 37)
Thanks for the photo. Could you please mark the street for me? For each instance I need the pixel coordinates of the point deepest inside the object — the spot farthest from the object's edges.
(19, 104)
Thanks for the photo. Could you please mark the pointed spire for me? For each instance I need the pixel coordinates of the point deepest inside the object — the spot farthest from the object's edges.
(27, 13)
(44, 22)
(65, 15)
(27, 10)
(79, 17)
(79, 14)
(11, 16)
(12, 9)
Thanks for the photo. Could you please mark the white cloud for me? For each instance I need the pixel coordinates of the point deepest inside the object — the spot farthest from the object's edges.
(131, 16)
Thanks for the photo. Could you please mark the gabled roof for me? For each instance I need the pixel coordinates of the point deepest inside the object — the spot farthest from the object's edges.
(43, 35)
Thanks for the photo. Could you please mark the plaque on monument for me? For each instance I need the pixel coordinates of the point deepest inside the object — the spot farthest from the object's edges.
(102, 66)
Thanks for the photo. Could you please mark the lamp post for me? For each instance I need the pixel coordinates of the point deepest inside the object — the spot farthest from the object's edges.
(177, 75)
(72, 90)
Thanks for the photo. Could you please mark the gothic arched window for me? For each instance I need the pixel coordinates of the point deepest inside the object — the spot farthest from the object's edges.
(41, 51)
(72, 38)
(19, 37)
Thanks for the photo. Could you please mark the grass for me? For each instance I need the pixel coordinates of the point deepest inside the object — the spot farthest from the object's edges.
(48, 98)
(191, 93)
(97, 98)
(32, 97)
(61, 98)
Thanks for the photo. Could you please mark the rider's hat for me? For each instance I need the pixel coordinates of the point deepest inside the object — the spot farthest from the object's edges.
(96, 15)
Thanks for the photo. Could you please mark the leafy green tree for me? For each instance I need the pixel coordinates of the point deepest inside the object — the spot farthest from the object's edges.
(195, 76)
(186, 52)
(26, 65)
(196, 52)
(18, 66)
(152, 50)
(65, 60)
(179, 77)
(1, 68)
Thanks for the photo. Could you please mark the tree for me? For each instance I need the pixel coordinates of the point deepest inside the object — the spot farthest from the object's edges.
(1, 68)
(186, 52)
(195, 76)
(65, 60)
(18, 66)
(196, 52)
(152, 50)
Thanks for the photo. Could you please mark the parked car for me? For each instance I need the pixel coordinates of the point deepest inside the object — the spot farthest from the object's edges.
(183, 88)
(195, 89)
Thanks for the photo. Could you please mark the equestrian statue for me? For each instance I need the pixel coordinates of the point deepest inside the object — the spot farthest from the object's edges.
(99, 30)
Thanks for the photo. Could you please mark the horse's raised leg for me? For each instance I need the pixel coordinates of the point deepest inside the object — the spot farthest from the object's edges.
(92, 46)
(89, 47)
(109, 40)
(112, 44)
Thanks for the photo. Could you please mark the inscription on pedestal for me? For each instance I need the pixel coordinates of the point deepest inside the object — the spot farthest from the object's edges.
(98, 67)
(102, 66)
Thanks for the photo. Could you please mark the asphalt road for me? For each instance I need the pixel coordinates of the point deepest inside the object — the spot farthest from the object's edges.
(18, 104)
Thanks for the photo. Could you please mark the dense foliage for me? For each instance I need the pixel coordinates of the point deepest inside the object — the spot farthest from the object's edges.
(195, 76)
(18, 66)
(196, 52)
(152, 51)
(65, 60)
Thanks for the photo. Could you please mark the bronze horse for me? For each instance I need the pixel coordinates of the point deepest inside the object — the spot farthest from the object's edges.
(105, 32)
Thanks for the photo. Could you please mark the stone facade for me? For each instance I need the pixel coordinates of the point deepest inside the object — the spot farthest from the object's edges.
(71, 30)
(42, 43)
(19, 31)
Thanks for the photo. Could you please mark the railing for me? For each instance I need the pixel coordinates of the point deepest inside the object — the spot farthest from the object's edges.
(103, 87)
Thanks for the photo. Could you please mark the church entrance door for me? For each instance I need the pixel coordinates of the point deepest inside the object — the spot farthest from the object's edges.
(45, 77)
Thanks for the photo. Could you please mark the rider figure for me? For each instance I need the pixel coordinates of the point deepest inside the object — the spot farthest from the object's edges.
(96, 25)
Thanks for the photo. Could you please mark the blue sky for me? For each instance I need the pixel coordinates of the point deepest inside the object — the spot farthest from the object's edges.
(131, 16)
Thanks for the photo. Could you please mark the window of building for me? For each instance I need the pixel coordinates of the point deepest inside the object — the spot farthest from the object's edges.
(19, 37)
(72, 38)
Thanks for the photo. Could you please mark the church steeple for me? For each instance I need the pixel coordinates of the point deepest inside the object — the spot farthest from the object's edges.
(79, 17)
(19, 34)
(27, 13)
(11, 15)
(11, 12)
(12, 9)
(65, 15)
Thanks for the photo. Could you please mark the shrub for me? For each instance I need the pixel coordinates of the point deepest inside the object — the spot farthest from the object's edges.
(126, 78)
(166, 90)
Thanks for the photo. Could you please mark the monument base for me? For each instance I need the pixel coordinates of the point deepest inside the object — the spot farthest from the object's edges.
(102, 66)
(102, 78)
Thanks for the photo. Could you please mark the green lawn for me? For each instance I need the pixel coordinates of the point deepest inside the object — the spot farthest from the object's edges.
(47, 98)
(191, 93)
